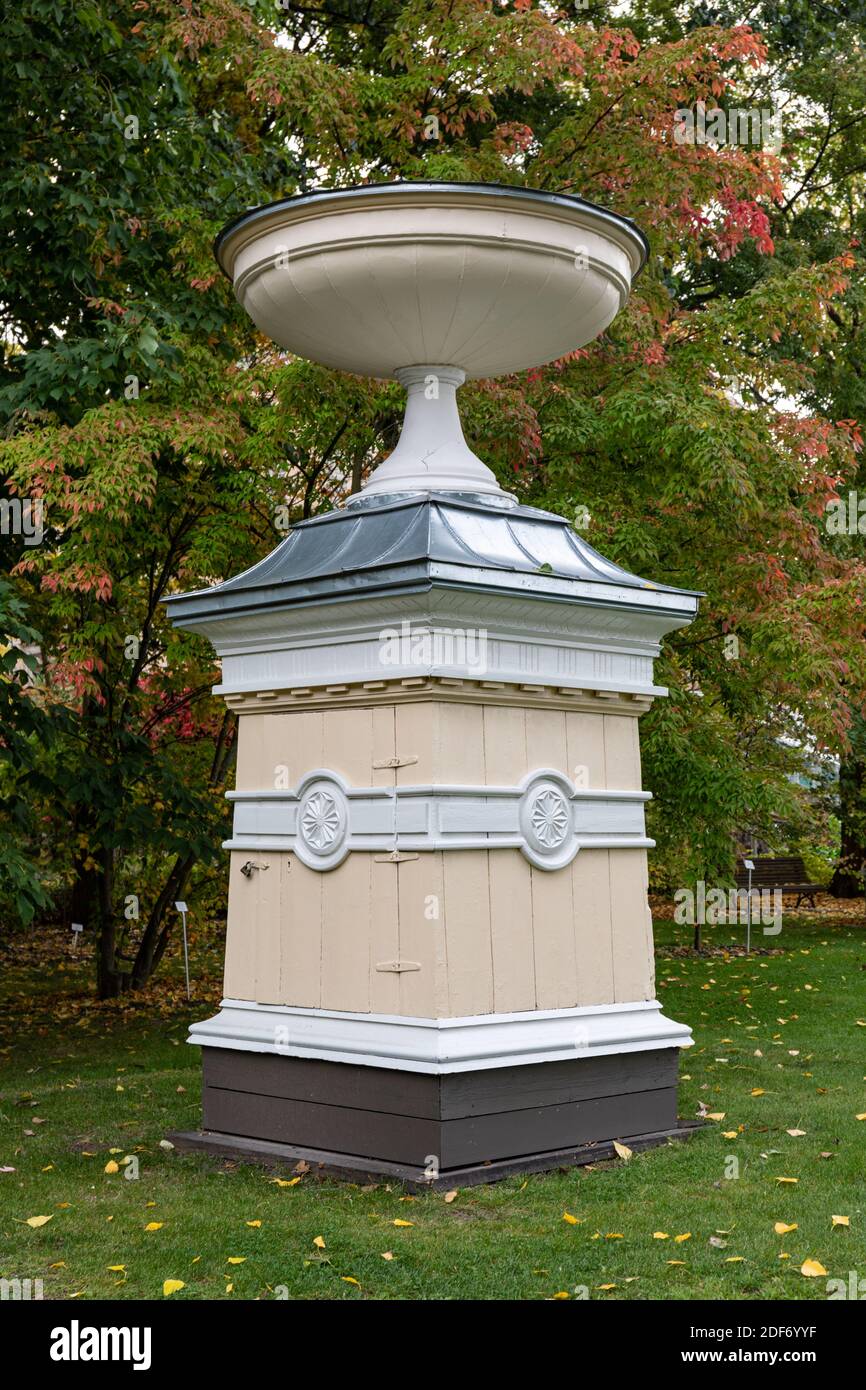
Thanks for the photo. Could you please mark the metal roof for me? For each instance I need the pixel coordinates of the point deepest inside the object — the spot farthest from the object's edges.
(415, 541)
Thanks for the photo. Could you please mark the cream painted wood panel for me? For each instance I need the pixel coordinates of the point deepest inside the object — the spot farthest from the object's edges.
(508, 937)
(419, 888)
(553, 932)
(384, 936)
(417, 736)
(384, 744)
(239, 980)
(346, 942)
(621, 753)
(347, 745)
(632, 958)
(511, 924)
(266, 894)
(505, 762)
(585, 743)
(461, 744)
(546, 743)
(301, 930)
(593, 941)
(467, 933)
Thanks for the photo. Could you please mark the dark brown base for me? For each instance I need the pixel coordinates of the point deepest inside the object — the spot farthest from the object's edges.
(352, 1168)
(445, 1130)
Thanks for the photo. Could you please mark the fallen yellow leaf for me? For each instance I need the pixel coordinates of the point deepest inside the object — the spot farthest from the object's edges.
(449, 1196)
(660, 1235)
(116, 1269)
(285, 1182)
(622, 1150)
(236, 1260)
(730, 1134)
(347, 1279)
(387, 1254)
(812, 1269)
(111, 1167)
(562, 1294)
(253, 1223)
(687, 1235)
(398, 1222)
(734, 1259)
(787, 1180)
(171, 1286)
(758, 1091)
(716, 1115)
(36, 1221)
(319, 1242)
(841, 1220)
(572, 1220)
(604, 1287)
(782, 1230)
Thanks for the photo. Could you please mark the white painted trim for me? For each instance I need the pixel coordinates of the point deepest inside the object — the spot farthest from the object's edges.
(432, 1045)
(436, 817)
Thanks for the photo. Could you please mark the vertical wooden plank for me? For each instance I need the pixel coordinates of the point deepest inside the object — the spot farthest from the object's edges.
(348, 744)
(552, 904)
(251, 753)
(384, 745)
(632, 966)
(384, 936)
(417, 736)
(546, 744)
(239, 980)
(420, 899)
(511, 931)
(297, 741)
(622, 758)
(346, 935)
(590, 878)
(505, 763)
(268, 899)
(553, 937)
(301, 966)
(467, 933)
(585, 739)
(461, 746)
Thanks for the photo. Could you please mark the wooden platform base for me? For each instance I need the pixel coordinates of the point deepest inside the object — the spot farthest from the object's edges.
(434, 1130)
(353, 1168)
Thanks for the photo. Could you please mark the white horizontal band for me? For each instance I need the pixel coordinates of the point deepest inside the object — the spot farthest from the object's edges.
(546, 817)
(441, 1045)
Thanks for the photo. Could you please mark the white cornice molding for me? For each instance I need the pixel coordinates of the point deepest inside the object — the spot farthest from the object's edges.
(441, 1045)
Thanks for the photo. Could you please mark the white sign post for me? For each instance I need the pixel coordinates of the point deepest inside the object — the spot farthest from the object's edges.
(183, 909)
(749, 865)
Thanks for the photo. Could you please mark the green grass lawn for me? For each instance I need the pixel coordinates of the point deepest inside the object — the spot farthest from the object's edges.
(780, 1046)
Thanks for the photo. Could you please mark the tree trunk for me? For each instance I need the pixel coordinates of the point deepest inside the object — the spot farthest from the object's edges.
(847, 881)
(110, 981)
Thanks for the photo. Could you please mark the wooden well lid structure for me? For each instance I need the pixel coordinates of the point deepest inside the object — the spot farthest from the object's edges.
(439, 953)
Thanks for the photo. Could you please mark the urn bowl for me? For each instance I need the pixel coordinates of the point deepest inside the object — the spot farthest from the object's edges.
(486, 278)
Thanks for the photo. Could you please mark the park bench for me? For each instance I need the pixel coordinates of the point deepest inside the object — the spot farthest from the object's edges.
(786, 872)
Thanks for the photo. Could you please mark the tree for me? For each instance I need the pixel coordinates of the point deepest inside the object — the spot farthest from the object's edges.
(171, 446)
